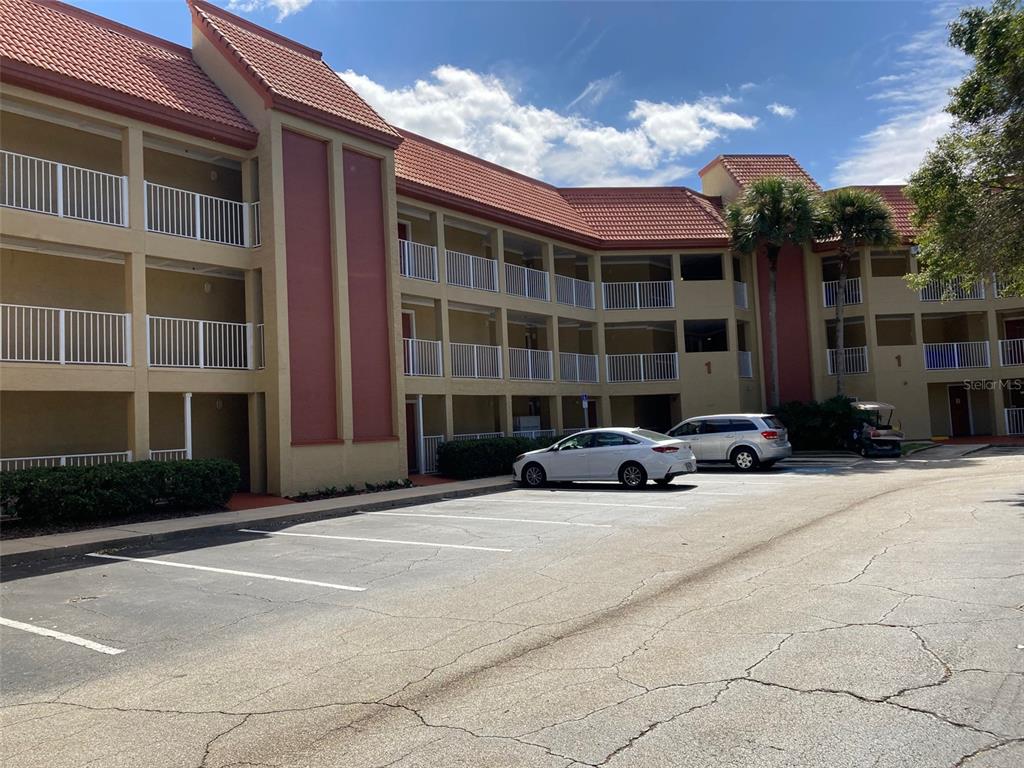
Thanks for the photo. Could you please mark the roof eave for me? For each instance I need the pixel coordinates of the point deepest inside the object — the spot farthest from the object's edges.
(314, 115)
(41, 80)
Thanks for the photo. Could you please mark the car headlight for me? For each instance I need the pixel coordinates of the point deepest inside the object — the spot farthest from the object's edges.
(520, 457)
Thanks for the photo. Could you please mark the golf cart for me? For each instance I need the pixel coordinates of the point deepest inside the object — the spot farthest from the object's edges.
(874, 433)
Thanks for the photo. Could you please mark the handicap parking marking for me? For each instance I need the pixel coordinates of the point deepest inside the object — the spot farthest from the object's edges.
(227, 571)
(433, 544)
(489, 519)
(62, 636)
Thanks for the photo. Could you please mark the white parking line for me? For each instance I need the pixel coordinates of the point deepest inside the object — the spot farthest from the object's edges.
(495, 519)
(529, 500)
(154, 561)
(376, 541)
(54, 634)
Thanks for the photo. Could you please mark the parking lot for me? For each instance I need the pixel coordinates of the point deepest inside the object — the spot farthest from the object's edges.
(843, 613)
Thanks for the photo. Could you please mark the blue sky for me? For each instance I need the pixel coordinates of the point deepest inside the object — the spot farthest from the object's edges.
(615, 93)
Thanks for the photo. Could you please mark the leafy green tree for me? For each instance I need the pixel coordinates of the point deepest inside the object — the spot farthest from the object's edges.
(770, 213)
(969, 192)
(852, 218)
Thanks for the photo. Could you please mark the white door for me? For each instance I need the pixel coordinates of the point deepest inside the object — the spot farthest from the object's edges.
(572, 459)
(610, 451)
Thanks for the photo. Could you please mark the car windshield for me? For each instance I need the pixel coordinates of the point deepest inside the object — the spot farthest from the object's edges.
(658, 437)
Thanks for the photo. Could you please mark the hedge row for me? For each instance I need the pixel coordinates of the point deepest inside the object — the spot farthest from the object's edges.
(466, 459)
(68, 495)
(815, 426)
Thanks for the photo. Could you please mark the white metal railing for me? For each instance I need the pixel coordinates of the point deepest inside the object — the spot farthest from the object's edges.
(65, 460)
(476, 361)
(534, 433)
(172, 211)
(739, 294)
(170, 454)
(176, 342)
(1014, 420)
(574, 292)
(43, 186)
(578, 367)
(260, 346)
(528, 282)
(470, 271)
(956, 354)
(1001, 288)
(638, 295)
(257, 231)
(430, 445)
(477, 435)
(856, 359)
(657, 366)
(1011, 351)
(746, 364)
(956, 289)
(830, 291)
(55, 335)
(418, 260)
(422, 357)
(530, 364)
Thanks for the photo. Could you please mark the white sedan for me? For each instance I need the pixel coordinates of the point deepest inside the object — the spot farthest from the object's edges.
(630, 456)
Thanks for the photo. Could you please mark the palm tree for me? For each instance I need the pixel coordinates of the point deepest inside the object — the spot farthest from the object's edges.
(770, 213)
(852, 218)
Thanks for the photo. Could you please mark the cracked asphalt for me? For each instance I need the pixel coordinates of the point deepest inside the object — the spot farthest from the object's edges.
(867, 615)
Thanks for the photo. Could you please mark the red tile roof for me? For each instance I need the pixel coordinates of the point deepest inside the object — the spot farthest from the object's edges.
(291, 77)
(73, 54)
(747, 168)
(428, 170)
(638, 215)
(901, 207)
(595, 218)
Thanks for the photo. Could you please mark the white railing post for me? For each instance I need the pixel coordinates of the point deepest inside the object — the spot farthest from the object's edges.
(124, 202)
(61, 336)
(198, 215)
(202, 343)
(642, 368)
(60, 189)
(249, 357)
(149, 334)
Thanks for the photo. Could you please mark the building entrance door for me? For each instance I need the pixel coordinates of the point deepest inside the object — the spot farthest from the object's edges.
(412, 440)
(959, 411)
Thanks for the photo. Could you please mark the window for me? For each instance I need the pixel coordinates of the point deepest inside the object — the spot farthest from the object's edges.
(705, 336)
(611, 439)
(689, 428)
(773, 422)
(701, 266)
(651, 435)
(742, 425)
(713, 426)
(575, 442)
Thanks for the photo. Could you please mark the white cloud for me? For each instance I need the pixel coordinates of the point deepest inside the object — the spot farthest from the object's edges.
(483, 115)
(595, 92)
(915, 95)
(748, 86)
(284, 8)
(781, 110)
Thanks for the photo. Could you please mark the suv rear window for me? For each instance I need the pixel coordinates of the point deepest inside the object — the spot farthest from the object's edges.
(657, 436)
(773, 422)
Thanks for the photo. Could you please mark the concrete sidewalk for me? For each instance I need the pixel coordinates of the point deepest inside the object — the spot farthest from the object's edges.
(57, 545)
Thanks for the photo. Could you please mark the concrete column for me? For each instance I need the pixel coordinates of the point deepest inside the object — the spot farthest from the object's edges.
(249, 191)
(505, 415)
(501, 337)
(257, 442)
(554, 345)
(992, 327)
(449, 417)
(132, 167)
(343, 348)
(548, 260)
(135, 306)
(999, 408)
(498, 249)
(557, 418)
(187, 407)
(604, 413)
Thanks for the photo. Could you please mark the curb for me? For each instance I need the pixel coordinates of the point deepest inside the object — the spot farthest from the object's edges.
(71, 550)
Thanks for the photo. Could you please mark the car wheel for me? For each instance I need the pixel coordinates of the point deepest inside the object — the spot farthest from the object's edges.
(534, 476)
(632, 475)
(744, 459)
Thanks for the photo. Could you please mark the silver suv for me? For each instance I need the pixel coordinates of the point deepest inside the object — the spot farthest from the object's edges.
(748, 440)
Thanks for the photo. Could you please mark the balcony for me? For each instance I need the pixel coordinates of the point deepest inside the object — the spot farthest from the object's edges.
(657, 366)
(855, 361)
(476, 361)
(529, 364)
(422, 357)
(66, 191)
(578, 367)
(638, 295)
(956, 354)
(953, 290)
(468, 271)
(477, 435)
(175, 342)
(574, 292)
(1014, 420)
(533, 434)
(527, 282)
(830, 291)
(1011, 351)
(170, 454)
(746, 364)
(65, 460)
(178, 212)
(739, 295)
(64, 336)
(417, 260)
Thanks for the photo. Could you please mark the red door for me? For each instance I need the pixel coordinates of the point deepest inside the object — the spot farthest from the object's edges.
(403, 231)
(959, 411)
(411, 439)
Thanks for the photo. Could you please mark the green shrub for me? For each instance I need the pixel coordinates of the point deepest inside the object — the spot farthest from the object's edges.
(466, 459)
(815, 426)
(75, 495)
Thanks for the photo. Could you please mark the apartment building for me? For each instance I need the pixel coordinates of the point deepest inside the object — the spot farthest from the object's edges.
(224, 251)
